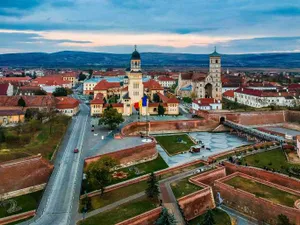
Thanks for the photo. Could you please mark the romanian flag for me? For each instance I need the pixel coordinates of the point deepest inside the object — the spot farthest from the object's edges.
(144, 101)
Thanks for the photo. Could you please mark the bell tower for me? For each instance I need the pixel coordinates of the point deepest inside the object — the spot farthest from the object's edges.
(215, 74)
(135, 78)
(135, 64)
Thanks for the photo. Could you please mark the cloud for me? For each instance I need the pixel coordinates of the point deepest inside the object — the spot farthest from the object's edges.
(158, 25)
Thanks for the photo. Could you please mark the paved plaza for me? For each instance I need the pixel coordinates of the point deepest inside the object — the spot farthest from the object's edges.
(217, 142)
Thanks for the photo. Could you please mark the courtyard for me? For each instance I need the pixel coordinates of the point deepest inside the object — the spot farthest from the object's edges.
(264, 191)
(214, 143)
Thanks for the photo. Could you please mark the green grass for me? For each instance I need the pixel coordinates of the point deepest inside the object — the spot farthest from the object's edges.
(184, 187)
(171, 145)
(121, 213)
(32, 138)
(263, 191)
(221, 218)
(115, 195)
(274, 159)
(142, 169)
(25, 202)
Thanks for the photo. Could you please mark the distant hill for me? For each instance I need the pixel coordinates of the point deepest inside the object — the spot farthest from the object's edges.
(95, 59)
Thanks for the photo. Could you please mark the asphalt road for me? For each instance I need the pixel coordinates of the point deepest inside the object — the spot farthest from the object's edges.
(60, 200)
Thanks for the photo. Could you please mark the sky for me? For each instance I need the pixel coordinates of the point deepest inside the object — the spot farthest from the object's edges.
(174, 26)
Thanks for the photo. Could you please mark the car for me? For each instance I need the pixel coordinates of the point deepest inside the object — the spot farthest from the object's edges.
(76, 150)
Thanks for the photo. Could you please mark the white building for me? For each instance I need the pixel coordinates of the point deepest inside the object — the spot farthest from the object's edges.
(166, 82)
(206, 104)
(259, 98)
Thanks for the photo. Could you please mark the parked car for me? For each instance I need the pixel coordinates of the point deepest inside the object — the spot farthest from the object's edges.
(76, 150)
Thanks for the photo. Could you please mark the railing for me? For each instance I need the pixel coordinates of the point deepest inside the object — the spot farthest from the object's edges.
(252, 131)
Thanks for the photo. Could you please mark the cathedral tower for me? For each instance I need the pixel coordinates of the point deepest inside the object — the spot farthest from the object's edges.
(135, 78)
(215, 75)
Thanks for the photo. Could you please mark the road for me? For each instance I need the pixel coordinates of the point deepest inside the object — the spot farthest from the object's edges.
(59, 204)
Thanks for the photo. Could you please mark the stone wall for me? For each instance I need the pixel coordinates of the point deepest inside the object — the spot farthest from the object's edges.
(24, 173)
(171, 126)
(209, 177)
(23, 191)
(293, 116)
(147, 218)
(17, 217)
(257, 207)
(275, 178)
(130, 156)
(197, 203)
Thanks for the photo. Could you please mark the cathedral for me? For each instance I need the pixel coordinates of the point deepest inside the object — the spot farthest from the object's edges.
(135, 93)
(202, 85)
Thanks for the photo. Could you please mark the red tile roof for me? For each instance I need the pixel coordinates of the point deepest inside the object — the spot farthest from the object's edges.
(99, 99)
(3, 89)
(66, 103)
(173, 100)
(51, 81)
(164, 78)
(205, 101)
(152, 85)
(15, 79)
(260, 93)
(229, 93)
(105, 85)
(69, 74)
(31, 101)
(294, 86)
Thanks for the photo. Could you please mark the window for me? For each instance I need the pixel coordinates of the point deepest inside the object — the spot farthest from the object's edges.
(217, 61)
(136, 85)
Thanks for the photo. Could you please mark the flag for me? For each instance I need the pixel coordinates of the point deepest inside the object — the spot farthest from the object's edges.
(144, 100)
(140, 104)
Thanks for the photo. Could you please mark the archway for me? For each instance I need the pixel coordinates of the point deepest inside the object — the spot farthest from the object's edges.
(222, 119)
(208, 90)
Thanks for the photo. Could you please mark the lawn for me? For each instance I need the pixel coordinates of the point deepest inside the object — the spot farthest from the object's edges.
(32, 138)
(24, 203)
(221, 218)
(121, 213)
(137, 170)
(184, 187)
(264, 191)
(172, 145)
(115, 195)
(274, 159)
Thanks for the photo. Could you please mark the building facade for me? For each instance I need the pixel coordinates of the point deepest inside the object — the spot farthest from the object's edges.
(130, 92)
(202, 85)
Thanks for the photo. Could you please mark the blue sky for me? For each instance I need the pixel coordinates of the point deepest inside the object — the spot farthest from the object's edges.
(191, 26)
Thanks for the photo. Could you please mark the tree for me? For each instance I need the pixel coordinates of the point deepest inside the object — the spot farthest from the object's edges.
(283, 220)
(81, 77)
(21, 102)
(98, 172)
(90, 73)
(156, 98)
(2, 135)
(160, 110)
(40, 92)
(165, 218)
(208, 218)
(60, 91)
(152, 190)
(111, 117)
(193, 95)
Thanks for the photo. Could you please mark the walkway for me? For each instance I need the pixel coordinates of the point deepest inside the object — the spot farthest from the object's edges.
(252, 131)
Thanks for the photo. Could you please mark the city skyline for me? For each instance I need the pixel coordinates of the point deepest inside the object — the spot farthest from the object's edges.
(157, 26)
